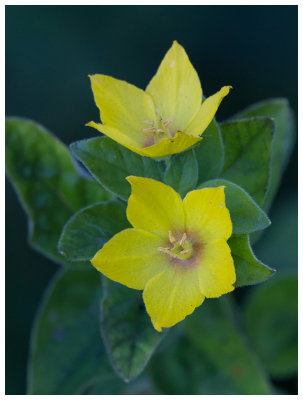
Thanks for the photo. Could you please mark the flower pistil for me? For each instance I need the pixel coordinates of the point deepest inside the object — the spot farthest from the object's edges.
(182, 249)
(160, 129)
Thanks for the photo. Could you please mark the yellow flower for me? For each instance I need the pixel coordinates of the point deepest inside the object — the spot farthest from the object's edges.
(176, 251)
(167, 118)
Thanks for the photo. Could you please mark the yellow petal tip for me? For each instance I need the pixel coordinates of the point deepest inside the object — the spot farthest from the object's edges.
(130, 178)
(94, 77)
(157, 328)
(91, 77)
(91, 124)
(225, 90)
(93, 261)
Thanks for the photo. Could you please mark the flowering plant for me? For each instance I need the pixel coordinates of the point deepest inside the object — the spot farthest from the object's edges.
(167, 118)
(152, 207)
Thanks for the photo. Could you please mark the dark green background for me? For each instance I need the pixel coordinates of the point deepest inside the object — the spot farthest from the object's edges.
(50, 50)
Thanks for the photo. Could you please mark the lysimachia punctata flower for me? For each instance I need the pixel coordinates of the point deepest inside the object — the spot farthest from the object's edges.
(176, 252)
(167, 118)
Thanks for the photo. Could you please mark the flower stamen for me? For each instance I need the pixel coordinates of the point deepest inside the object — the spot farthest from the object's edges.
(159, 128)
(182, 249)
(152, 130)
(168, 121)
(183, 239)
(171, 237)
(159, 115)
(185, 251)
(167, 250)
(147, 122)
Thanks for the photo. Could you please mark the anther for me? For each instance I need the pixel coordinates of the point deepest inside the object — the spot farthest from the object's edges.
(168, 121)
(147, 122)
(171, 237)
(159, 115)
(152, 130)
(183, 239)
(185, 251)
(166, 250)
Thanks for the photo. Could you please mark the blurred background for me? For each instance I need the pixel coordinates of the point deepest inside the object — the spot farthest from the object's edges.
(50, 50)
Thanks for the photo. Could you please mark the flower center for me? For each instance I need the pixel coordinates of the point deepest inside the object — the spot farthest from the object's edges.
(159, 128)
(182, 249)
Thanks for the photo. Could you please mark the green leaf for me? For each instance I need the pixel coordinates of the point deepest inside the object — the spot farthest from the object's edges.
(110, 163)
(48, 186)
(210, 153)
(107, 383)
(87, 230)
(213, 332)
(271, 316)
(247, 154)
(126, 327)
(245, 213)
(67, 350)
(279, 244)
(182, 172)
(249, 270)
(283, 141)
(127, 330)
(186, 371)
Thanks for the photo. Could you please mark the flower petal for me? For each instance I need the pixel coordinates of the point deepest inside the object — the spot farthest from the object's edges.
(206, 214)
(165, 147)
(131, 257)
(123, 106)
(176, 88)
(207, 112)
(114, 134)
(154, 207)
(172, 295)
(216, 269)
